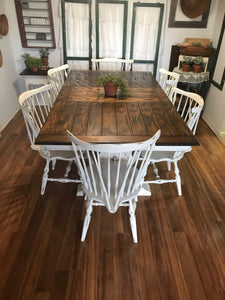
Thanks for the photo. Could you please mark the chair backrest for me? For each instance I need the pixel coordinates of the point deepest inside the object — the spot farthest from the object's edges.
(110, 63)
(57, 77)
(168, 80)
(35, 105)
(181, 59)
(189, 105)
(112, 173)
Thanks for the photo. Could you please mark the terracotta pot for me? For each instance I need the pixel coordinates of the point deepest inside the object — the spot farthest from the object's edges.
(35, 69)
(110, 89)
(44, 61)
(197, 68)
(185, 68)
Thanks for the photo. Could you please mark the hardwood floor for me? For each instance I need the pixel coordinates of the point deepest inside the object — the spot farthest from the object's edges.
(181, 249)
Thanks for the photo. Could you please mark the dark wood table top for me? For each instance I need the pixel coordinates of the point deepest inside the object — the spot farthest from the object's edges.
(82, 108)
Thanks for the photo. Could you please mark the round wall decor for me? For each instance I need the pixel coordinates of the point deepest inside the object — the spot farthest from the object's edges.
(194, 8)
(4, 25)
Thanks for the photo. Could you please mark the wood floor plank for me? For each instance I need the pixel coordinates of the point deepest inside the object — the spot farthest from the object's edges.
(181, 240)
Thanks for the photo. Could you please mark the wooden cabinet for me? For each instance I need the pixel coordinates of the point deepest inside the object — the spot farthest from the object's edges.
(35, 23)
(34, 80)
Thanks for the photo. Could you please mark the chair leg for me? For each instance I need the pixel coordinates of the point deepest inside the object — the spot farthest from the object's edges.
(87, 220)
(178, 180)
(45, 177)
(68, 168)
(53, 163)
(155, 170)
(133, 224)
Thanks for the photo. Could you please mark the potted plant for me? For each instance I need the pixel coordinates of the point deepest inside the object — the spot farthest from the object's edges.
(197, 64)
(25, 56)
(44, 53)
(186, 63)
(112, 83)
(33, 63)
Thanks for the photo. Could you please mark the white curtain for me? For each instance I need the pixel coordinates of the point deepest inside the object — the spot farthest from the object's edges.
(77, 32)
(146, 30)
(111, 31)
(145, 35)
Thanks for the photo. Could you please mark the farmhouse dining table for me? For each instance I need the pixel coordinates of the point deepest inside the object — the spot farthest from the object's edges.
(82, 108)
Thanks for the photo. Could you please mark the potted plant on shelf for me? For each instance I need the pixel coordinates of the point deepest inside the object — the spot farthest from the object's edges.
(44, 53)
(33, 63)
(186, 63)
(197, 64)
(25, 56)
(112, 83)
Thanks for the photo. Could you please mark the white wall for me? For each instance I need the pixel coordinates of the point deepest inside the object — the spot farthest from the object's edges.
(8, 73)
(214, 112)
(177, 35)
(12, 84)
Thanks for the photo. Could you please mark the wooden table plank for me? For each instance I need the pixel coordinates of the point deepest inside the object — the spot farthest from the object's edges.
(136, 119)
(60, 118)
(108, 119)
(80, 118)
(123, 120)
(151, 124)
(94, 125)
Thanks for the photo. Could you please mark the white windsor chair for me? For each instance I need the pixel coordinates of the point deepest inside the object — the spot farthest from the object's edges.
(56, 78)
(36, 105)
(189, 105)
(110, 63)
(168, 80)
(112, 175)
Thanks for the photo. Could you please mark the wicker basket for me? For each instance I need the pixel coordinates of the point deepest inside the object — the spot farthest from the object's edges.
(4, 25)
(196, 51)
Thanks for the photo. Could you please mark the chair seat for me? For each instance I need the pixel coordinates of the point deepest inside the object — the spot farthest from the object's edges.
(57, 154)
(54, 154)
(158, 156)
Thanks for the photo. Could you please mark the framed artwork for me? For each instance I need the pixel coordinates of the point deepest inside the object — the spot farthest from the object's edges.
(200, 22)
(218, 73)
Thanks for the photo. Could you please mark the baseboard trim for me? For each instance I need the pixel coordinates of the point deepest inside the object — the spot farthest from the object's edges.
(222, 136)
(204, 117)
(11, 117)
